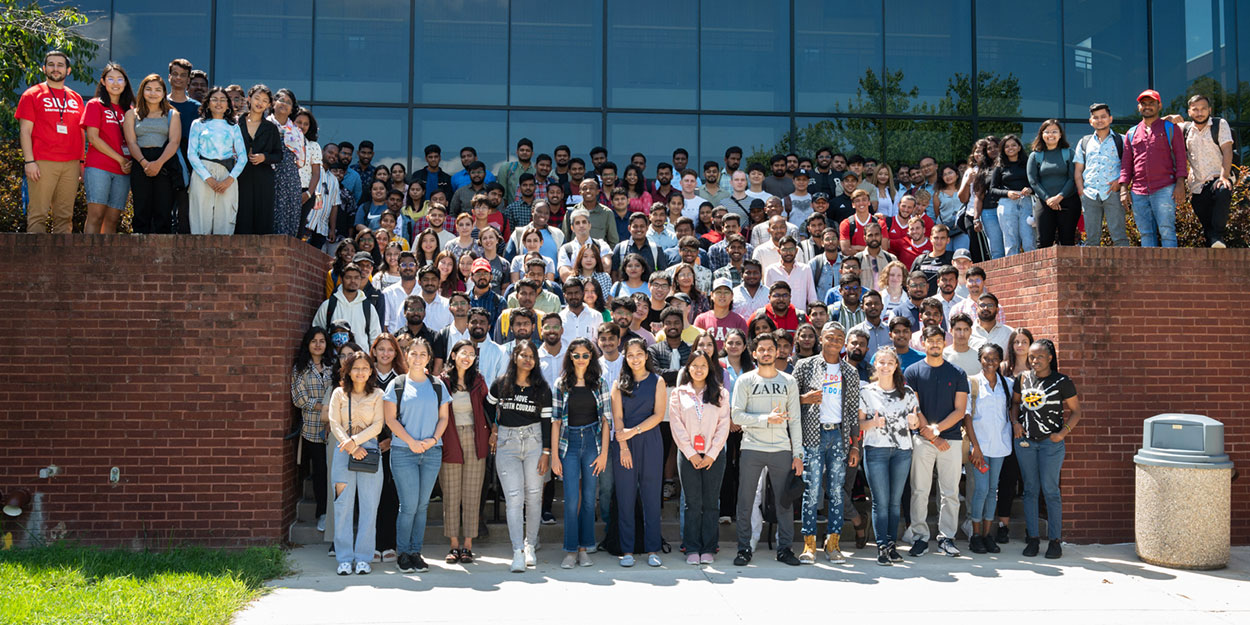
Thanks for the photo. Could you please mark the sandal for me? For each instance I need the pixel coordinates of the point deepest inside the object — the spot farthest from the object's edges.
(861, 533)
(466, 556)
(453, 556)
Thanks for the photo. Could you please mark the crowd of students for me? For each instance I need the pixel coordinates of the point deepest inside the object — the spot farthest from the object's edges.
(737, 338)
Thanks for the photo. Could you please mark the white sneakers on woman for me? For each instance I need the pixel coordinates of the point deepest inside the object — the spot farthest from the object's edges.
(518, 561)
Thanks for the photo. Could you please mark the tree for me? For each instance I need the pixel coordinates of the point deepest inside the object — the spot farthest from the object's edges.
(27, 32)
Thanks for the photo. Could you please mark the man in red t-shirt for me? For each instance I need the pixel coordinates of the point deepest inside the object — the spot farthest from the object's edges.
(780, 310)
(851, 230)
(721, 319)
(50, 118)
(916, 244)
(896, 227)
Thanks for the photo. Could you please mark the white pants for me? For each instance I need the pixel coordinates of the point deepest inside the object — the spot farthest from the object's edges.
(924, 458)
(212, 212)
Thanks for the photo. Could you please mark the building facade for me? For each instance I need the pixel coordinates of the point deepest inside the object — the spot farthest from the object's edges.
(886, 78)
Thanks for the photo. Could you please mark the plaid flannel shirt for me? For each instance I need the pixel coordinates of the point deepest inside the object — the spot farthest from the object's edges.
(308, 390)
(603, 399)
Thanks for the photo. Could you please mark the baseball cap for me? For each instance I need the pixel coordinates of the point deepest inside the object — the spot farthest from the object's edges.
(820, 196)
(481, 264)
(677, 296)
(962, 253)
(806, 173)
(363, 257)
(1149, 93)
(756, 203)
(722, 282)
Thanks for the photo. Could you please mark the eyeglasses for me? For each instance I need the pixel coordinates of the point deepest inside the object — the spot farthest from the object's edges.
(580, 356)
(407, 264)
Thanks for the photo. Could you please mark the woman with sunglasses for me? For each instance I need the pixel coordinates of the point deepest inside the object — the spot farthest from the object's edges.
(582, 405)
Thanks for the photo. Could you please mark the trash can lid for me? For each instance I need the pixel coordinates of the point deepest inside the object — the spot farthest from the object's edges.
(1183, 441)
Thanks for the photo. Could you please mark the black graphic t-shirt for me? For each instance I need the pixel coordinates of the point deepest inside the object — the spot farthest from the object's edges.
(1041, 402)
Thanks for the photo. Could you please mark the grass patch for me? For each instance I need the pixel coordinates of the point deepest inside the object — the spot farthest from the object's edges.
(82, 585)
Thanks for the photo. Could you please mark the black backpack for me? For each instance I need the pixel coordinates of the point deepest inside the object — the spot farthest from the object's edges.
(402, 382)
(334, 302)
(1119, 143)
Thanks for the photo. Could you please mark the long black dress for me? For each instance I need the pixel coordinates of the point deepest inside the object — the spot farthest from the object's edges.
(256, 183)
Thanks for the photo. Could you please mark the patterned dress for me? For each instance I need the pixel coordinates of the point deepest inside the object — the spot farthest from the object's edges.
(286, 197)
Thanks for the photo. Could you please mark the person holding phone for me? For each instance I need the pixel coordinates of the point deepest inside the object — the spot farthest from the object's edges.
(356, 420)
(698, 413)
(989, 439)
(766, 407)
(889, 410)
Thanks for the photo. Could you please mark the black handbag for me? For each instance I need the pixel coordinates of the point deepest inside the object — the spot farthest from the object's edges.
(372, 459)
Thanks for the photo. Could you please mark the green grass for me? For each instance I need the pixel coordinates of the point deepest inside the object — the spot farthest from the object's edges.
(82, 585)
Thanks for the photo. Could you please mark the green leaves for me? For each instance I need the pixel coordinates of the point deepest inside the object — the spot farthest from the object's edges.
(27, 32)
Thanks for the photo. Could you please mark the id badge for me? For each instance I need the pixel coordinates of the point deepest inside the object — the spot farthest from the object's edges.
(699, 443)
(62, 129)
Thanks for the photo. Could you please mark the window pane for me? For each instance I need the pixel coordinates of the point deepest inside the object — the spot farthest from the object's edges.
(758, 136)
(908, 141)
(1018, 58)
(656, 136)
(1243, 65)
(148, 34)
(97, 29)
(453, 129)
(557, 53)
(928, 46)
(835, 47)
(461, 49)
(744, 60)
(651, 52)
(579, 131)
(1104, 45)
(1195, 53)
(265, 41)
(386, 128)
(362, 51)
(848, 136)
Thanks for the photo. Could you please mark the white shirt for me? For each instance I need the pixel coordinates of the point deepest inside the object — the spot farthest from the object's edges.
(831, 394)
(437, 312)
(767, 254)
(745, 304)
(691, 207)
(552, 366)
(989, 421)
(968, 361)
(393, 298)
(760, 236)
(611, 369)
(999, 335)
(581, 326)
(353, 312)
(802, 287)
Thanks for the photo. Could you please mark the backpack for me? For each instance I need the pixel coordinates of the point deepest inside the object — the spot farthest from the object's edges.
(1119, 143)
(1168, 127)
(401, 383)
(334, 302)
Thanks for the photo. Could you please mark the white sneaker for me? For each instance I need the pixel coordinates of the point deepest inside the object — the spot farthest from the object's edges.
(583, 559)
(1219, 245)
(530, 560)
(592, 549)
(345, 568)
(321, 523)
(518, 561)
(363, 568)
(570, 561)
(725, 520)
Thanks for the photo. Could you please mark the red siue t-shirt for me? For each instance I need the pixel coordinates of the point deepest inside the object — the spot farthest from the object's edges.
(719, 328)
(57, 116)
(898, 230)
(844, 230)
(908, 252)
(108, 119)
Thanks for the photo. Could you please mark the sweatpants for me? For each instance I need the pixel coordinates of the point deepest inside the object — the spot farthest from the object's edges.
(779, 464)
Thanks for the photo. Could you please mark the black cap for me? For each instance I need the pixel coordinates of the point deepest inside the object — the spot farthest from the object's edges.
(363, 257)
(820, 196)
(756, 203)
(806, 173)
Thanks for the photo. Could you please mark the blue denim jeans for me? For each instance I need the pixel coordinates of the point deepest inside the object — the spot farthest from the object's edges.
(825, 464)
(415, 475)
(368, 488)
(1013, 220)
(993, 231)
(984, 490)
(580, 488)
(1040, 464)
(1155, 215)
(887, 469)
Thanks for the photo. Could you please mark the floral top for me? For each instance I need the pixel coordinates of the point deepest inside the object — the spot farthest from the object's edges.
(293, 140)
(218, 140)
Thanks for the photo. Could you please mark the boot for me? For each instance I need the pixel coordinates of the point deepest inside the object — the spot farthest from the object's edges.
(809, 550)
(832, 551)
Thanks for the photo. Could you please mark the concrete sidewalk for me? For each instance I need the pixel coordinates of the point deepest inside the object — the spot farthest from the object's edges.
(1104, 584)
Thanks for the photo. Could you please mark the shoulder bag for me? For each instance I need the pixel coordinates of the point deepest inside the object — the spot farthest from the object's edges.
(368, 464)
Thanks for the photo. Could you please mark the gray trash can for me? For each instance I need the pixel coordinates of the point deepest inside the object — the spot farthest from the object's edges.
(1184, 484)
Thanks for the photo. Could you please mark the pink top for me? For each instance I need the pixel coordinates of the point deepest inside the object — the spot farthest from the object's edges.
(689, 416)
(641, 204)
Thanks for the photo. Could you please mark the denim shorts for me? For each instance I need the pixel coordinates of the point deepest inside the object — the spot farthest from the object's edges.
(105, 187)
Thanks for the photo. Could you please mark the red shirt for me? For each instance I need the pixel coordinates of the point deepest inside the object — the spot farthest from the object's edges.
(908, 252)
(897, 230)
(108, 119)
(788, 322)
(844, 231)
(47, 109)
(1149, 163)
(719, 328)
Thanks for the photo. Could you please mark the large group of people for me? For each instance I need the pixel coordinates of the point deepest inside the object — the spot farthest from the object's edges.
(741, 339)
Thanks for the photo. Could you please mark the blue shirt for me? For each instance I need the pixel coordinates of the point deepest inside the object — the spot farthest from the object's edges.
(419, 412)
(460, 179)
(1102, 164)
(936, 388)
(371, 215)
(351, 182)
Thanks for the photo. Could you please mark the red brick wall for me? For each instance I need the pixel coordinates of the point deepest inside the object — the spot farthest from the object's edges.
(167, 357)
(1141, 332)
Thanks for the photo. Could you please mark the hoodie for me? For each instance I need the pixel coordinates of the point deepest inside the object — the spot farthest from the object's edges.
(353, 312)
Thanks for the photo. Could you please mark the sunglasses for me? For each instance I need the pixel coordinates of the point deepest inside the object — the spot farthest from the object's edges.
(580, 356)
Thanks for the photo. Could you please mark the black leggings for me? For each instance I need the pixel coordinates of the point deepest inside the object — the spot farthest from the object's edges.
(1009, 484)
(315, 456)
(1058, 225)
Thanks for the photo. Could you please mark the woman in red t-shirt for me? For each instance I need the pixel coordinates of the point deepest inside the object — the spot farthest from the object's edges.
(106, 177)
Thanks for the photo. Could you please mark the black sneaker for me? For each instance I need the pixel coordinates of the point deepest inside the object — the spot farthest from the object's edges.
(404, 562)
(743, 558)
(1054, 550)
(1031, 547)
(892, 552)
(919, 548)
(990, 544)
(1003, 535)
(549, 518)
(418, 563)
(883, 555)
(976, 544)
(786, 556)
